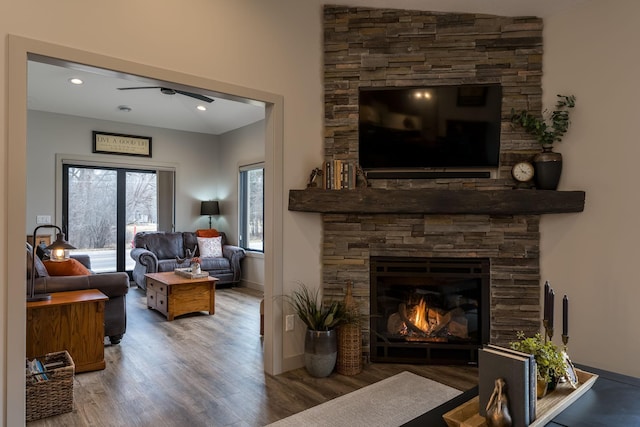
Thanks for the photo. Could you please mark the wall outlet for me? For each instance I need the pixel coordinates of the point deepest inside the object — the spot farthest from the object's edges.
(289, 322)
(43, 219)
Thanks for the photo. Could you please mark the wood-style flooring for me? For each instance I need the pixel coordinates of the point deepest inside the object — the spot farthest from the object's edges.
(202, 370)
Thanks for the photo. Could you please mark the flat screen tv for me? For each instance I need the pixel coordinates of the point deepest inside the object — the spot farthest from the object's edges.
(430, 127)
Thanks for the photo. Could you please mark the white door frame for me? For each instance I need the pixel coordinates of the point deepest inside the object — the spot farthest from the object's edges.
(20, 51)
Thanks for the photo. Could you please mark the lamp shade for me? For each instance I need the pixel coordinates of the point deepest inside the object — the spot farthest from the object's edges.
(210, 208)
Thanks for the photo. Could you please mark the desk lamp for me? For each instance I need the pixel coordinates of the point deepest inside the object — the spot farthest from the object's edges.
(58, 253)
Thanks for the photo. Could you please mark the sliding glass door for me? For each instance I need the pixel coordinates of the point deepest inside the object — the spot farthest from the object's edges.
(102, 210)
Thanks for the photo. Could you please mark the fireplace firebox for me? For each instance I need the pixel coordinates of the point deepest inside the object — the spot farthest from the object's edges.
(428, 310)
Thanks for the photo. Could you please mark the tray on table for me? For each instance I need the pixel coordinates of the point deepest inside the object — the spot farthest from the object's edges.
(466, 415)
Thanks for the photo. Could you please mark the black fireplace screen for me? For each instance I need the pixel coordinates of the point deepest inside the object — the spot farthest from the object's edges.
(428, 310)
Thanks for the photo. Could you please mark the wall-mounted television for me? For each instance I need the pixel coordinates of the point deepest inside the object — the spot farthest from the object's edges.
(430, 127)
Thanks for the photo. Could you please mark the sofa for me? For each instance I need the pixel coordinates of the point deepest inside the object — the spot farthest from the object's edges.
(114, 285)
(157, 251)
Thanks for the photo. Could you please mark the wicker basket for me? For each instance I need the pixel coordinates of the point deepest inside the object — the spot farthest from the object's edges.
(349, 360)
(54, 396)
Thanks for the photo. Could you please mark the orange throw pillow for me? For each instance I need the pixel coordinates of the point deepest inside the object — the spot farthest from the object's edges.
(68, 267)
(211, 232)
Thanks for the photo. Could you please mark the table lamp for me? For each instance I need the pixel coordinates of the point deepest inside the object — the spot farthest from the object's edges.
(210, 207)
(58, 253)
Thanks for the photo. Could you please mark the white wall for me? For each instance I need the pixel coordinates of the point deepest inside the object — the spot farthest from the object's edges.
(194, 156)
(276, 46)
(592, 256)
(239, 148)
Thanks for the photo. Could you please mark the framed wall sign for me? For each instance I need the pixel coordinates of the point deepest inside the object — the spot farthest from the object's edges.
(117, 143)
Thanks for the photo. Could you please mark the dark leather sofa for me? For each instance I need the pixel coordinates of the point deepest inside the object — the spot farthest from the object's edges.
(157, 251)
(113, 285)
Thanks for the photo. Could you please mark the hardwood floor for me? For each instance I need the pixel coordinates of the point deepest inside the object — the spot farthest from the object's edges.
(202, 370)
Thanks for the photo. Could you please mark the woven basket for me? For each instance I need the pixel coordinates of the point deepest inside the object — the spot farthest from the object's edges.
(54, 396)
(349, 361)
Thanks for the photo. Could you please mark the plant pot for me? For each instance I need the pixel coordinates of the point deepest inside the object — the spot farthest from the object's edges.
(548, 166)
(320, 352)
(541, 388)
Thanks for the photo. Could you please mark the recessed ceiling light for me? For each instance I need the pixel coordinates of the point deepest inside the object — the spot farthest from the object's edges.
(201, 108)
(124, 108)
(76, 81)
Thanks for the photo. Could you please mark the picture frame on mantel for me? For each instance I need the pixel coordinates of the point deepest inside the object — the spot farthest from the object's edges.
(121, 144)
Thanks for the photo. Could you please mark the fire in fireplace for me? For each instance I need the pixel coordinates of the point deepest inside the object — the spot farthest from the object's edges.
(428, 310)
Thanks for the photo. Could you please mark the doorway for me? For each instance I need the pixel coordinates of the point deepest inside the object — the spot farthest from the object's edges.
(20, 49)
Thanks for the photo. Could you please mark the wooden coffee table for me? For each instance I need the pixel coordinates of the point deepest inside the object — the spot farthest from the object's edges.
(174, 295)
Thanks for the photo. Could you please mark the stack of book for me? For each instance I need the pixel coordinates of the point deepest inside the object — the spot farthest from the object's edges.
(519, 371)
(338, 175)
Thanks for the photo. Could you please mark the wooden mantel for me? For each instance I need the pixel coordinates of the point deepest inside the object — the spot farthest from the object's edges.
(440, 202)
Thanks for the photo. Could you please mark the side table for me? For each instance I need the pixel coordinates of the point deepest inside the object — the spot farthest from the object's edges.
(72, 321)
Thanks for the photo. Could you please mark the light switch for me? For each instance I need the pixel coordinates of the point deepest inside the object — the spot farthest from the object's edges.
(43, 219)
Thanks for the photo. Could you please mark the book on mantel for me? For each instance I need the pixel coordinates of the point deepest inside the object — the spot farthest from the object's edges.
(499, 362)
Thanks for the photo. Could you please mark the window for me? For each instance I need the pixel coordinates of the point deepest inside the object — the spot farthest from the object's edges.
(251, 209)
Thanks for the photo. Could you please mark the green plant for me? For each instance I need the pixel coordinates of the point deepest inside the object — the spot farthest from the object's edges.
(316, 315)
(547, 130)
(549, 360)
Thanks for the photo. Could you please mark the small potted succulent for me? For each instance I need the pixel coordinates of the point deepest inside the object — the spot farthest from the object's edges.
(549, 360)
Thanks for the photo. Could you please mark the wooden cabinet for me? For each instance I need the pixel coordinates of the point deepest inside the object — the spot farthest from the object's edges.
(72, 321)
(173, 295)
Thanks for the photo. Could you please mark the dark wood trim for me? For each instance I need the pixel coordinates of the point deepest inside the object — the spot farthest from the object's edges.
(430, 201)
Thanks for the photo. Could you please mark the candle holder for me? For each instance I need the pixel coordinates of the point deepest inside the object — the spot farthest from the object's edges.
(548, 331)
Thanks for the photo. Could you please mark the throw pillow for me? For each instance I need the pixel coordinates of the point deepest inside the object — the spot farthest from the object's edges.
(68, 267)
(211, 232)
(210, 247)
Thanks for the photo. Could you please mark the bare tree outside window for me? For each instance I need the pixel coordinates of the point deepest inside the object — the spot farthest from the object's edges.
(93, 211)
(252, 208)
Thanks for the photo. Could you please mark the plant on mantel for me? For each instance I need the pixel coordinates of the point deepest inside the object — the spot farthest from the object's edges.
(549, 128)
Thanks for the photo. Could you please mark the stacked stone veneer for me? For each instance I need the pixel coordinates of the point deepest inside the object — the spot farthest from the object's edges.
(381, 47)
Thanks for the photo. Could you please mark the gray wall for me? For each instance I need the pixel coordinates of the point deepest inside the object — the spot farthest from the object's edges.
(194, 156)
(241, 147)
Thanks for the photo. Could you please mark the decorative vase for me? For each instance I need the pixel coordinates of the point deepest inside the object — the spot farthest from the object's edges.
(320, 352)
(349, 361)
(548, 166)
(195, 268)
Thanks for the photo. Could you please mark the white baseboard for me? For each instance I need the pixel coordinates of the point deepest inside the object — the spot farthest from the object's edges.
(291, 363)
(251, 285)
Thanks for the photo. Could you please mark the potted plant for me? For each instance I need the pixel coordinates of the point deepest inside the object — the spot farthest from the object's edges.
(549, 360)
(320, 344)
(547, 130)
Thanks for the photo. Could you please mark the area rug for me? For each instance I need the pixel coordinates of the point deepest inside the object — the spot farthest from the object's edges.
(387, 403)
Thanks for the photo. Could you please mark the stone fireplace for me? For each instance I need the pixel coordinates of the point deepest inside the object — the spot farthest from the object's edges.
(428, 310)
(509, 244)
(459, 219)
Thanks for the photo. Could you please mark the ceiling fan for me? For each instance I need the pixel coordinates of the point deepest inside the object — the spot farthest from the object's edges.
(169, 91)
